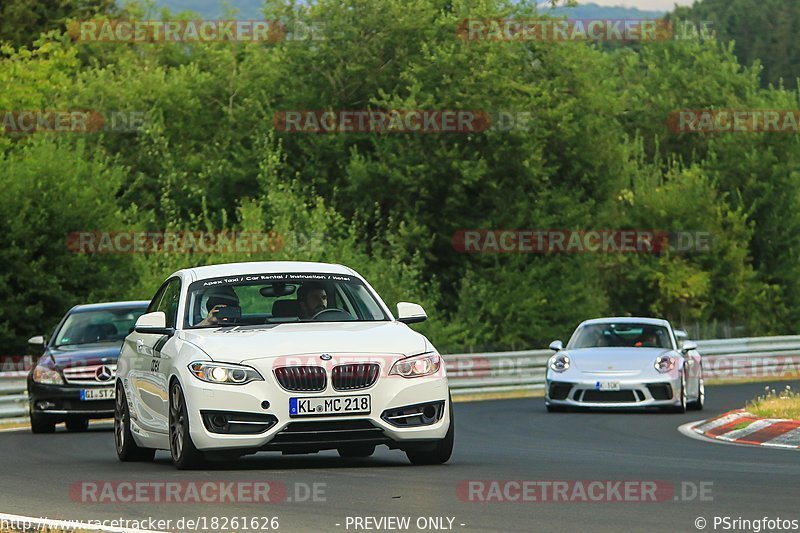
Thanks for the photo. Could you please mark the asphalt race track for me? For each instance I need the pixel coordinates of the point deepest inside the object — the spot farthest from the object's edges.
(495, 440)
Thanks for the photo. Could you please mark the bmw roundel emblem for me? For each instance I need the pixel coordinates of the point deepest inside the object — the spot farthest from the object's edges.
(325, 357)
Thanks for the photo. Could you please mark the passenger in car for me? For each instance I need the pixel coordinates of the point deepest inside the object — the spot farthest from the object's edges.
(218, 297)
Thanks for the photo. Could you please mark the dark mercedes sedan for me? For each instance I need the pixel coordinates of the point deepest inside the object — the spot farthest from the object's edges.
(73, 380)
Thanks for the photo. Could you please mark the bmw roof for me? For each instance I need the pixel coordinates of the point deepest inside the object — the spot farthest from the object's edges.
(85, 308)
(265, 267)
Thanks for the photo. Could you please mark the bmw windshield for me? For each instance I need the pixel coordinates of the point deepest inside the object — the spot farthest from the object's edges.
(277, 298)
(630, 335)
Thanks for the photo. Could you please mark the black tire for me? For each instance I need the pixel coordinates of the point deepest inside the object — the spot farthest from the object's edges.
(127, 449)
(77, 425)
(41, 423)
(351, 452)
(698, 404)
(442, 450)
(183, 451)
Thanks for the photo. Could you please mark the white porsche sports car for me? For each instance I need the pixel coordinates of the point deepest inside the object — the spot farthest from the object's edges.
(285, 356)
(623, 363)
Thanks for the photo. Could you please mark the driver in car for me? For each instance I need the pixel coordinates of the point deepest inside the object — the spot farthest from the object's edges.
(312, 298)
(218, 298)
(649, 339)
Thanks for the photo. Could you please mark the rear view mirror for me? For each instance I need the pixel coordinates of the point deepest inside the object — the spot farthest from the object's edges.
(277, 290)
(556, 346)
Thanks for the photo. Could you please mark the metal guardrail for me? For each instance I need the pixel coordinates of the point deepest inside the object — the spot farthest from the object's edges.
(477, 373)
(13, 394)
(727, 359)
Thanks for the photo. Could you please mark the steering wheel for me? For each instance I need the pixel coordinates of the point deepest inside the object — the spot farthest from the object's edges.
(347, 316)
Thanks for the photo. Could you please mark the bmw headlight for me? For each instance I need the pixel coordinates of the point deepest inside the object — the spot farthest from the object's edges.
(559, 362)
(224, 373)
(417, 366)
(665, 363)
(44, 373)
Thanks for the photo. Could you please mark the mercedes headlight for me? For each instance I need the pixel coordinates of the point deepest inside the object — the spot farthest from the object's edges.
(665, 363)
(559, 362)
(224, 373)
(417, 366)
(44, 373)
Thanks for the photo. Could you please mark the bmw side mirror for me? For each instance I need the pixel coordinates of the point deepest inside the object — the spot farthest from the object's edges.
(556, 346)
(154, 323)
(409, 313)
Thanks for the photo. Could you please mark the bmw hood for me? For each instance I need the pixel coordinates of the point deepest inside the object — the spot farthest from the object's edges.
(623, 359)
(239, 344)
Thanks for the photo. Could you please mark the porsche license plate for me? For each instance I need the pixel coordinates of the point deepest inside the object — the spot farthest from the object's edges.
(97, 394)
(330, 405)
(607, 385)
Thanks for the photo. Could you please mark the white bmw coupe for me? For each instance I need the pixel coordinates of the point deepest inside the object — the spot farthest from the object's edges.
(294, 357)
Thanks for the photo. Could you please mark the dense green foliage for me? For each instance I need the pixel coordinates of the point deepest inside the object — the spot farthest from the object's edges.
(765, 32)
(598, 155)
(21, 21)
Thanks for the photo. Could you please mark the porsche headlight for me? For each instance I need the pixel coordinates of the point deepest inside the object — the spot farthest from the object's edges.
(42, 373)
(665, 363)
(417, 366)
(224, 373)
(559, 363)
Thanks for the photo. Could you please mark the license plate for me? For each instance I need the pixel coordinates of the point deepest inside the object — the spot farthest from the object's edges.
(607, 385)
(330, 405)
(97, 394)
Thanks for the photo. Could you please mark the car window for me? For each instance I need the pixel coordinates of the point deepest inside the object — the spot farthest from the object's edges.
(157, 298)
(278, 297)
(168, 303)
(368, 306)
(89, 327)
(616, 335)
(344, 302)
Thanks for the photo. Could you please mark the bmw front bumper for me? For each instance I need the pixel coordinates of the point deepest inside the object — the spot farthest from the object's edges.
(304, 434)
